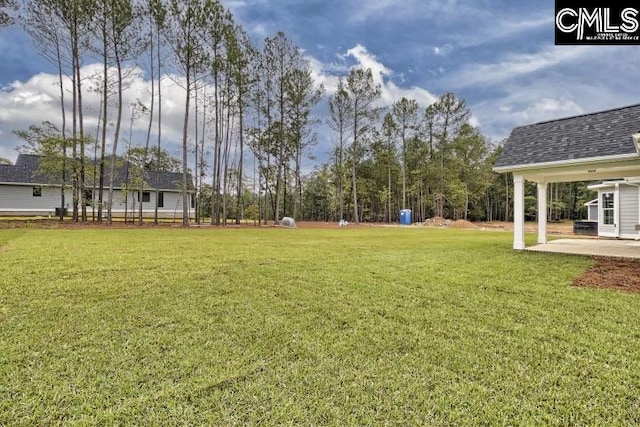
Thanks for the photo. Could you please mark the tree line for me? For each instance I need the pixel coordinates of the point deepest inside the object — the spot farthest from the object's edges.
(240, 99)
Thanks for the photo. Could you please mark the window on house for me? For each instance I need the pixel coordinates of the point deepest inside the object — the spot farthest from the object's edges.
(607, 209)
(37, 191)
(193, 201)
(161, 199)
(88, 197)
(146, 196)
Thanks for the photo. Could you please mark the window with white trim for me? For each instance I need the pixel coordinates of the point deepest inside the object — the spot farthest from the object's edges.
(37, 191)
(607, 209)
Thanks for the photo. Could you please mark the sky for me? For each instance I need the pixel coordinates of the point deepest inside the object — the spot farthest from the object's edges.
(497, 55)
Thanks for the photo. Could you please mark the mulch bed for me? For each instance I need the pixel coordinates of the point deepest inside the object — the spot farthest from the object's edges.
(612, 273)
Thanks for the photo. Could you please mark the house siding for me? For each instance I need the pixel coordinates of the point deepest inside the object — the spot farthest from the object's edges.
(20, 198)
(172, 203)
(593, 213)
(627, 202)
(628, 210)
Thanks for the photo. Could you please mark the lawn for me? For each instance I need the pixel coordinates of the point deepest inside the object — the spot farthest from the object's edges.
(372, 326)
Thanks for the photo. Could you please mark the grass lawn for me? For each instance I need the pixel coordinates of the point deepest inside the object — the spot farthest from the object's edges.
(271, 326)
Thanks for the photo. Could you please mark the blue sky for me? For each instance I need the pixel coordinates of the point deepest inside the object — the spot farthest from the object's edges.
(498, 55)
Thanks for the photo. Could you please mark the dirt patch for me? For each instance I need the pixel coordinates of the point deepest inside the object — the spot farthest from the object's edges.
(437, 221)
(69, 224)
(611, 273)
(461, 223)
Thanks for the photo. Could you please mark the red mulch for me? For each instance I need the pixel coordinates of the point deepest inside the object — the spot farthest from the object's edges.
(612, 273)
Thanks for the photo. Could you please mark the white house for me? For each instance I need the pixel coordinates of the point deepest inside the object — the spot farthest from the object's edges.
(603, 146)
(618, 208)
(24, 191)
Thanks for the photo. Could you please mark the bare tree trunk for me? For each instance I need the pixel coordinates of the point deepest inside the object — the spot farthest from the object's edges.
(82, 141)
(239, 204)
(63, 131)
(202, 165)
(195, 172)
(116, 136)
(341, 174)
(215, 185)
(155, 214)
(279, 189)
(103, 147)
(354, 155)
(227, 144)
(389, 186)
(297, 197)
(185, 128)
(95, 171)
(74, 168)
(147, 142)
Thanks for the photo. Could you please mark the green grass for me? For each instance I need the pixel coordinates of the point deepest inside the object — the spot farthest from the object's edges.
(376, 326)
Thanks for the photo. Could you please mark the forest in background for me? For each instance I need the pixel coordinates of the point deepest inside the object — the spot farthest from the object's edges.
(250, 122)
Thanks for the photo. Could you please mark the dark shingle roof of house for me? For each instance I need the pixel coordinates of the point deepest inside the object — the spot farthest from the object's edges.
(605, 133)
(25, 171)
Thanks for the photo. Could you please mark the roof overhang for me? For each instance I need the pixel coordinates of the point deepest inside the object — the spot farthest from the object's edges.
(634, 180)
(589, 169)
(605, 184)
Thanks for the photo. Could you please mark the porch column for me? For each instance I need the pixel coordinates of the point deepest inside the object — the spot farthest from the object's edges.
(542, 212)
(518, 212)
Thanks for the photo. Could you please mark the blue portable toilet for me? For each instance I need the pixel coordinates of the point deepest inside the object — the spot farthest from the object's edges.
(405, 217)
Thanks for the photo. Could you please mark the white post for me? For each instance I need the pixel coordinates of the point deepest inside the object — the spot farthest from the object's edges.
(518, 212)
(542, 213)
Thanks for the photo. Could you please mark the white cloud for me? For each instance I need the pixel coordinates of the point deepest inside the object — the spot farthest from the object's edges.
(498, 116)
(37, 99)
(395, 10)
(514, 66)
(553, 83)
(546, 108)
(391, 92)
(328, 75)
(488, 29)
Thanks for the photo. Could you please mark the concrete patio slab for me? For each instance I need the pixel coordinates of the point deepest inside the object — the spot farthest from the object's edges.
(593, 247)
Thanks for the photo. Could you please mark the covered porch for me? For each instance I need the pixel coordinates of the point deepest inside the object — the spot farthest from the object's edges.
(543, 175)
(601, 146)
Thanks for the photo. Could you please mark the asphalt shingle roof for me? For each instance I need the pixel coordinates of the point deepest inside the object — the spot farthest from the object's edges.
(25, 171)
(600, 134)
